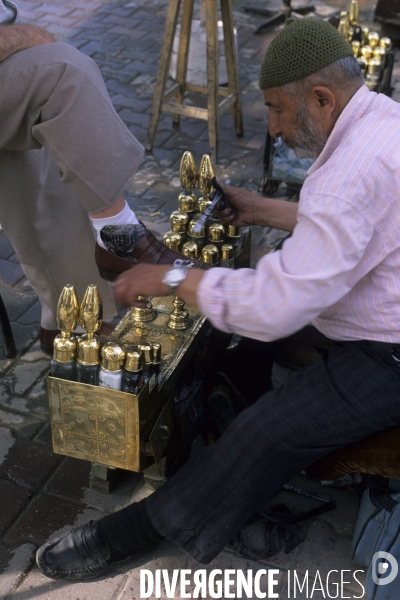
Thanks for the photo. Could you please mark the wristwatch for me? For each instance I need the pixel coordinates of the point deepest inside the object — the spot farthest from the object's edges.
(174, 277)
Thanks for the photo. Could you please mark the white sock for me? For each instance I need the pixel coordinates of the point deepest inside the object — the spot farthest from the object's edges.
(125, 217)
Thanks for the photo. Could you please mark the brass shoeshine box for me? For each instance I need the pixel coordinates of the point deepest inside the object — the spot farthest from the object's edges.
(124, 430)
(116, 428)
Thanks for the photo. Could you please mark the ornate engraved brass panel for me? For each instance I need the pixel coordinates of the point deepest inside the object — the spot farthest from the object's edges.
(94, 423)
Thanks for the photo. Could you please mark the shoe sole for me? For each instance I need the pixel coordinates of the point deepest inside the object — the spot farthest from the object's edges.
(108, 275)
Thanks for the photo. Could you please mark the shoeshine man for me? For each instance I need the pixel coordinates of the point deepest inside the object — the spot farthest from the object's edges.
(340, 270)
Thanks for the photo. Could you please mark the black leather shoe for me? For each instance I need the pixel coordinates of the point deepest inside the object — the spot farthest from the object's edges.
(80, 554)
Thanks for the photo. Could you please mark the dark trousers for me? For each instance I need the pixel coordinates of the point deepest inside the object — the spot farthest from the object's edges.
(351, 392)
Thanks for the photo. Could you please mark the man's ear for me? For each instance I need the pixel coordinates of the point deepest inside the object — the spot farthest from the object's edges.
(322, 102)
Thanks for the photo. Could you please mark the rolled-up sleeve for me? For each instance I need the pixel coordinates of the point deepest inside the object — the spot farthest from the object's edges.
(316, 267)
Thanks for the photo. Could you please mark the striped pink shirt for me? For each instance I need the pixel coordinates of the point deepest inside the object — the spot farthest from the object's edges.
(340, 269)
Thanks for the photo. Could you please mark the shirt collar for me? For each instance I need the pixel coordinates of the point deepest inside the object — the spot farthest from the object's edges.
(350, 114)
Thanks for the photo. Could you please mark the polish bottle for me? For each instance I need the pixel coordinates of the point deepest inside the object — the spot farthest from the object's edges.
(91, 314)
(227, 256)
(132, 376)
(156, 357)
(233, 236)
(110, 375)
(147, 350)
(63, 364)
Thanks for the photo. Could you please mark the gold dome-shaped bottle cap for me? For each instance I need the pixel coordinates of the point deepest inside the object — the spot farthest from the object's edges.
(233, 231)
(227, 252)
(210, 254)
(65, 348)
(156, 352)
(194, 234)
(144, 312)
(113, 356)
(187, 202)
(147, 350)
(133, 362)
(216, 232)
(205, 176)
(89, 350)
(190, 250)
(67, 309)
(373, 38)
(172, 240)
(188, 172)
(366, 52)
(179, 221)
(202, 204)
(379, 52)
(374, 67)
(364, 35)
(386, 43)
(91, 311)
(356, 47)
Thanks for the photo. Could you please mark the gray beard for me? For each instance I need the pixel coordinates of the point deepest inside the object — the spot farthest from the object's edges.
(309, 140)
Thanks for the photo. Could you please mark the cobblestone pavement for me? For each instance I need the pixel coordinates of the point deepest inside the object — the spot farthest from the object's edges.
(42, 494)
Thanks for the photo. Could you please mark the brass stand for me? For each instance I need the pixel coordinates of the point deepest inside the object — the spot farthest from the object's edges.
(173, 101)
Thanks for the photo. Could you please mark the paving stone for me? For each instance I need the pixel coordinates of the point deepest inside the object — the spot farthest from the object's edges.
(17, 303)
(70, 479)
(14, 566)
(24, 336)
(21, 377)
(43, 517)
(31, 316)
(6, 249)
(12, 500)
(28, 463)
(10, 273)
(36, 585)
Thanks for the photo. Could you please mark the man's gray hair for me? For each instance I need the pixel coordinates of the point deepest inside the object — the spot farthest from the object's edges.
(342, 74)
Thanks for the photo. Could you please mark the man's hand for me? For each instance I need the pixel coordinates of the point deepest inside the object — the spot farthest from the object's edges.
(245, 208)
(146, 280)
(14, 38)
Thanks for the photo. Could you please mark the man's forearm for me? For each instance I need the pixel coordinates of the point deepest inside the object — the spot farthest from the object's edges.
(14, 38)
(279, 214)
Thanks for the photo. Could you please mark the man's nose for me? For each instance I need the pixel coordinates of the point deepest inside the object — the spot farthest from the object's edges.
(273, 127)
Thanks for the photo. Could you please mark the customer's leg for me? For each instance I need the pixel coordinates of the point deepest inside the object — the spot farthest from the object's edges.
(49, 230)
(56, 98)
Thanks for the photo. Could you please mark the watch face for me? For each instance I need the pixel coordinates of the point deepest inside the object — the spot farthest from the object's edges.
(175, 276)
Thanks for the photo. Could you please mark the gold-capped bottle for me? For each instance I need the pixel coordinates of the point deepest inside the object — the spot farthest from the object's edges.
(198, 237)
(386, 43)
(91, 316)
(132, 376)
(210, 255)
(110, 375)
(227, 256)
(354, 12)
(366, 53)
(190, 250)
(172, 240)
(373, 39)
(187, 201)
(233, 236)
(216, 234)
(356, 48)
(157, 348)
(147, 350)
(179, 221)
(373, 72)
(63, 364)
(344, 25)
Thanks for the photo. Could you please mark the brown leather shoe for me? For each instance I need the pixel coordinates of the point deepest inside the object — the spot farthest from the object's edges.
(47, 336)
(147, 250)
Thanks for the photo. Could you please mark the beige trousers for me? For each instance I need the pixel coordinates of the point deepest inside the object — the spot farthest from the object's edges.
(64, 152)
